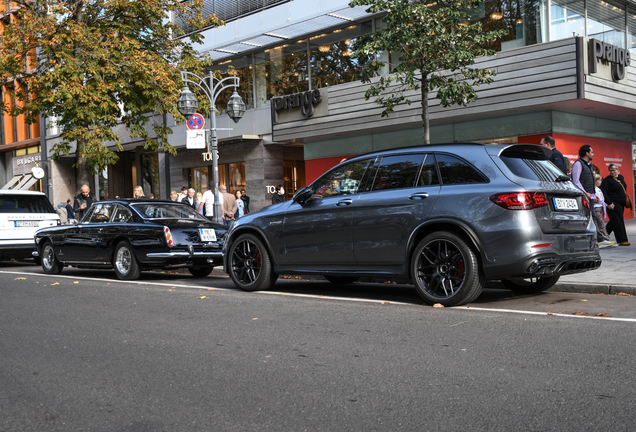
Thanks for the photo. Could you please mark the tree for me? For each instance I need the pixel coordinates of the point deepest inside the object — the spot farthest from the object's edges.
(436, 44)
(94, 64)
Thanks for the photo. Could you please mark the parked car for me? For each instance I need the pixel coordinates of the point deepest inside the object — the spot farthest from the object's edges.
(22, 213)
(131, 235)
(448, 217)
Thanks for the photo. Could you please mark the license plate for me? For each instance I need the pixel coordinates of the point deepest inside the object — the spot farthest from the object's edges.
(27, 224)
(207, 234)
(565, 204)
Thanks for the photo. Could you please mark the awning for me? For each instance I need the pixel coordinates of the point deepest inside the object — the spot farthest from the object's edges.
(23, 182)
(12, 182)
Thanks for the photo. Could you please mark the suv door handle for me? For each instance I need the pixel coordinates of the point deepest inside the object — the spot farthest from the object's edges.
(344, 202)
(419, 195)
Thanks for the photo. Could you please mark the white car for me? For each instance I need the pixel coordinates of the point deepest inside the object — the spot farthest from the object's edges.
(22, 213)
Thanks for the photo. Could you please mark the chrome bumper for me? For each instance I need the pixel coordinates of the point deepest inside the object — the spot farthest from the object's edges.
(185, 255)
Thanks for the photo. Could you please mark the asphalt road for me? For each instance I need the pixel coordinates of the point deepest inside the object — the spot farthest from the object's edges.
(85, 352)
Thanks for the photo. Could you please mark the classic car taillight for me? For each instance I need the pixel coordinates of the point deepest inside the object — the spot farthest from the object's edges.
(520, 200)
(168, 234)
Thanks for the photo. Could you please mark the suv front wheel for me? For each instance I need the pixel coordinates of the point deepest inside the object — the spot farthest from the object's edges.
(446, 270)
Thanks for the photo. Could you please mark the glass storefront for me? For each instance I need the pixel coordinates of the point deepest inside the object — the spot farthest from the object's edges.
(231, 175)
(631, 29)
(606, 23)
(150, 174)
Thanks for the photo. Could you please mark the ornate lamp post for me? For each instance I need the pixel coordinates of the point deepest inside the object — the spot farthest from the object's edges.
(187, 105)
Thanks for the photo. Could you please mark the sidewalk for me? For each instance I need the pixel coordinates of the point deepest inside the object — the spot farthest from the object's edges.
(617, 273)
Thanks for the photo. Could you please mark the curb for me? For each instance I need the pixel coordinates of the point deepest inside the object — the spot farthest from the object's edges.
(594, 288)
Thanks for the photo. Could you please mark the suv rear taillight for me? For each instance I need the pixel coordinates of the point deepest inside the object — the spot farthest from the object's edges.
(585, 202)
(520, 200)
(168, 234)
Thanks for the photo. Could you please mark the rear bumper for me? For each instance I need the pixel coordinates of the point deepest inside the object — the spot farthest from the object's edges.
(152, 255)
(17, 250)
(546, 265)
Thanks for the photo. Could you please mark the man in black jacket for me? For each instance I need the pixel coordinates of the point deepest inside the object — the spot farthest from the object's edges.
(557, 156)
(83, 201)
(279, 196)
(583, 178)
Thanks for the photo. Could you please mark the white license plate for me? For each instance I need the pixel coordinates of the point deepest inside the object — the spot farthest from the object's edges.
(207, 234)
(27, 224)
(565, 204)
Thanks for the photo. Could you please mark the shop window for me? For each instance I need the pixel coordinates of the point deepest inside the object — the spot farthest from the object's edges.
(150, 174)
(242, 68)
(231, 175)
(103, 185)
(294, 178)
(331, 56)
(236, 177)
(281, 71)
(606, 23)
(200, 179)
(631, 30)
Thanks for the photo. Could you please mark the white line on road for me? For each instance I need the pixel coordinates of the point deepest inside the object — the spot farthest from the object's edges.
(325, 297)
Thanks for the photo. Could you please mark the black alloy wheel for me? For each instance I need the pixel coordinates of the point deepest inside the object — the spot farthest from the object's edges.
(446, 270)
(530, 285)
(200, 272)
(50, 263)
(250, 265)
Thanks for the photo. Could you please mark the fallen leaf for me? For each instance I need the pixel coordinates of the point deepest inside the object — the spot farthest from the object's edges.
(602, 314)
(201, 297)
(386, 302)
(20, 278)
(211, 289)
(438, 305)
(583, 300)
(254, 319)
(580, 313)
(625, 294)
(76, 282)
(56, 283)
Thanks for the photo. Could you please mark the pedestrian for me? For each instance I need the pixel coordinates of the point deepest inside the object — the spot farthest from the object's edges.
(600, 213)
(614, 189)
(583, 178)
(173, 195)
(246, 200)
(199, 195)
(228, 205)
(191, 200)
(568, 166)
(240, 211)
(206, 205)
(62, 213)
(69, 209)
(151, 196)
(183, 194)
(83, 201)
(138, 192)
(557, 157)
(279, 196)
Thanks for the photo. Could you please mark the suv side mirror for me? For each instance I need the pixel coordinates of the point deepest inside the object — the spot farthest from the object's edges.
(302, 195)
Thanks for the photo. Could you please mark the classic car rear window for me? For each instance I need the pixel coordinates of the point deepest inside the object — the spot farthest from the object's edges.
(25, 204)
(167, 211)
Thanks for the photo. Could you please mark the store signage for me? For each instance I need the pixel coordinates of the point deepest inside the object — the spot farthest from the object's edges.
(23, 164)
(618, 58)
(306, 101)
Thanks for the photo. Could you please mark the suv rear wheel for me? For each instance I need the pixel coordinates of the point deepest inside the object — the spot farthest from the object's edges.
(446, 270)
(530, 286)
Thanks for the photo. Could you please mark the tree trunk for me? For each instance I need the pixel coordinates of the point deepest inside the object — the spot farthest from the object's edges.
(425, 125)
(82, 171)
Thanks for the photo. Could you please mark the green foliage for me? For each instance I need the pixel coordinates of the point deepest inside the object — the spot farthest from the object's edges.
(100, 63)
(435, 44)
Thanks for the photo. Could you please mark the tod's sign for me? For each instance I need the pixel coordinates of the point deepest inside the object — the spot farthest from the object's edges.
(618, 58)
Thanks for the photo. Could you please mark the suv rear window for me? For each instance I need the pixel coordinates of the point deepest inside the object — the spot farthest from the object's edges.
(25, 204)
(542, 170)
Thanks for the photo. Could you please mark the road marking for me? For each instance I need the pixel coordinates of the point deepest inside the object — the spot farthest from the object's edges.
(326, 297)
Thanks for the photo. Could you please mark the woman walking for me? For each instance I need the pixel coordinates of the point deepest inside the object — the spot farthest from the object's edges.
(242, 207)
(614, 190)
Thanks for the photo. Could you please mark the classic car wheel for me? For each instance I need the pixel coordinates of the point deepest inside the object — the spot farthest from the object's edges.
(200, 272)
(446, 270)
(341, 280)
(250, 265)
(125, 263)
(50, 263)
(531, 285)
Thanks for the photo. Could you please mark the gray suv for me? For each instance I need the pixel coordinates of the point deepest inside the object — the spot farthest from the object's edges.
(448, 217)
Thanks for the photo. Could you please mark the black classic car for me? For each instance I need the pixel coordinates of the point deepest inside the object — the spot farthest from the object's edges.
(131, 235)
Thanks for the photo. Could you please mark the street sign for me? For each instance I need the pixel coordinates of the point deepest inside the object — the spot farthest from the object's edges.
(196, 122)
(195, 139)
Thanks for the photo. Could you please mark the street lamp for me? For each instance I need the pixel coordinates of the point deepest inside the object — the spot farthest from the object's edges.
(187, 105)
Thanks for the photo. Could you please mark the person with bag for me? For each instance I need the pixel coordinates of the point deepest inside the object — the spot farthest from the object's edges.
(616, 199)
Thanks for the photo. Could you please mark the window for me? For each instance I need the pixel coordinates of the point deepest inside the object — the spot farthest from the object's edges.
(344, 180)
(241, 68)
(101, 213)
(25, 204)
(456, 171)
(606, 23)
(397, 171)
(150, 174)
(428, 174)
(122, 214)
(532, 169)
(281, 71)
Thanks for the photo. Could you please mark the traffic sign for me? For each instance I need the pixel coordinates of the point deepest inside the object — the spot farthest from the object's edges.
(196, 122)
(195, 139)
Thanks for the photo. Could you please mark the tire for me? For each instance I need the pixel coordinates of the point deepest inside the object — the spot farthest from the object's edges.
(341, 280)
(250, 265)
(530, 285)
(124, 262)
(446, 270)
(200, 272)
(50, 263)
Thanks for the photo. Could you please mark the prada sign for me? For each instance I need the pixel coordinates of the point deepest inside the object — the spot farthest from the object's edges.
(306, 101)
(618, 58)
